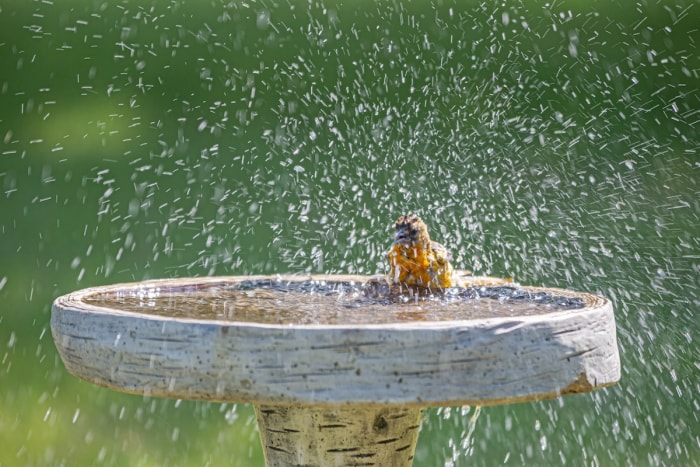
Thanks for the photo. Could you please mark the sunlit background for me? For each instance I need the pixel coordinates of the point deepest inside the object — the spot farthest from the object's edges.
(557, 143)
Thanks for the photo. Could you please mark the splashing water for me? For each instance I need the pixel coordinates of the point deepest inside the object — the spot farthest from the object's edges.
(466, 444)
(556, 144)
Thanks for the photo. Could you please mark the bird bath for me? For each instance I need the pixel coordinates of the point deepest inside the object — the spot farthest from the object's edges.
(338, 372)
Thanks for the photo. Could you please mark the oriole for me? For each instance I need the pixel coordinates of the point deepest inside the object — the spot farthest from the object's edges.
(416, 260)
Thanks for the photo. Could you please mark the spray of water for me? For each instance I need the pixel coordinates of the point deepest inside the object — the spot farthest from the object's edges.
(555, 144)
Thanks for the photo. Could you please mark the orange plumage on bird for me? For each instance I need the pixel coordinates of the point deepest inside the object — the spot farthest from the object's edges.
(415, 260)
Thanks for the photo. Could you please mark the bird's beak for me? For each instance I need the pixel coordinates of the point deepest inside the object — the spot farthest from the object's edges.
(402, 235)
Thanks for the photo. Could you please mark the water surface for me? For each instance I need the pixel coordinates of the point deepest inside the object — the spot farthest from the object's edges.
(329, 302)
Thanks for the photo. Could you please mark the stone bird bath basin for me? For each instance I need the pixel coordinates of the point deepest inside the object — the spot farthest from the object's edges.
(338, 373)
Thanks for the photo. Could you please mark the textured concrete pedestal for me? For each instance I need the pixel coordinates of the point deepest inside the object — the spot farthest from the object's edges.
(338, 435)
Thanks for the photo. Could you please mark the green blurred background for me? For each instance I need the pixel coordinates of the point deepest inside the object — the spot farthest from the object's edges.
(556, 143)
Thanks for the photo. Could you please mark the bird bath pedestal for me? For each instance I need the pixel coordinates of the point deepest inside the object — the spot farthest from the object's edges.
(338, 373)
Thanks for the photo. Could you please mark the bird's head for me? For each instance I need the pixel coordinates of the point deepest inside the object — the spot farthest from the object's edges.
(411, 230)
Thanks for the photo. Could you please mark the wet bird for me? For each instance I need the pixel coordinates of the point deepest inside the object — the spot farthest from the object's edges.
(416, 260)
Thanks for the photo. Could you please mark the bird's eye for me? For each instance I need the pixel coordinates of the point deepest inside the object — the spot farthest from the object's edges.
(414, 231)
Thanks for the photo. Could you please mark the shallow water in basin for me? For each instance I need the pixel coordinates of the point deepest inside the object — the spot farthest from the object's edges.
(331, 303)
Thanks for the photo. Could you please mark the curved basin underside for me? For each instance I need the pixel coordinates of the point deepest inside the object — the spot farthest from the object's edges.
(250, 339)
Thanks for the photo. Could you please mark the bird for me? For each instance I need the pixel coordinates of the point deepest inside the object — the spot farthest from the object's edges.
(417, 261)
